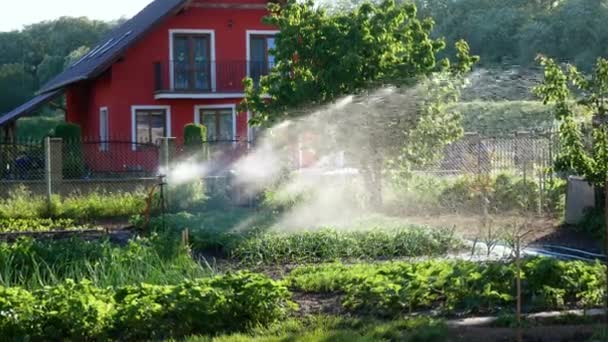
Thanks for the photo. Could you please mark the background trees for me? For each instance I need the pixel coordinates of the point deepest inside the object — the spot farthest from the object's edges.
(516, 31)
(32, 56)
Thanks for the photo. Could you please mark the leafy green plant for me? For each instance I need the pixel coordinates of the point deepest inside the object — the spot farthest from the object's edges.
(34, 264)
(73, 311)
(38, 225)
(79, 311)
(23, 204)
(389, 289)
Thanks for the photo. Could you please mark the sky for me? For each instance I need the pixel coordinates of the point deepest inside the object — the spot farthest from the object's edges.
(22, 12)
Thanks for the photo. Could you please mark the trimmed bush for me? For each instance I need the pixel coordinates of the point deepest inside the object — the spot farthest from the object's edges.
(73, 160)
(194, 138)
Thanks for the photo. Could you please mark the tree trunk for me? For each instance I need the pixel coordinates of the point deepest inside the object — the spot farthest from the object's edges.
(518, 285)
(606, 249)
(372, 177)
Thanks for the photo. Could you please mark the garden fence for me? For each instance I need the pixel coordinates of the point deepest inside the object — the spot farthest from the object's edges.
(61, 167)
(522, 153)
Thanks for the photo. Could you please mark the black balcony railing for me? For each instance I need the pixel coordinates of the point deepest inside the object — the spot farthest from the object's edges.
(206, 77)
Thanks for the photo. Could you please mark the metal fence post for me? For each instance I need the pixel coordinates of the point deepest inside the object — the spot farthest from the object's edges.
(53, 165)
(167, 147)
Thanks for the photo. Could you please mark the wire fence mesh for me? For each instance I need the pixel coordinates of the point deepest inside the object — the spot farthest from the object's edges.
(519, 154)
(121, 165)
(21, 159)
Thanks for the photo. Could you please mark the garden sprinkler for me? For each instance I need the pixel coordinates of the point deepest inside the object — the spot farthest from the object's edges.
(159, 185)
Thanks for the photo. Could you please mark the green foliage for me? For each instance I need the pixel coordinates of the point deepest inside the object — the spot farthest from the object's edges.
(377, 45)
(37, 225)
(328, 244)
(33, 264)
(69, 132)
(496, 117)
(72, 158)
(190, 195)
(257, 243)
(504, 193)
(583, 149)
(16, 310)
(38, 127)
(16, 85)
(592, 223)
(72, 311)
(81, 311)
(22, 204)
(195, 135)
(341, 329)
(391, 289)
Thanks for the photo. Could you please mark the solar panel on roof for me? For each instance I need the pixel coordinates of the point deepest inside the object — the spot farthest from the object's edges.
(113, 44)
(89, 67)
(84, 57)
(102, 47)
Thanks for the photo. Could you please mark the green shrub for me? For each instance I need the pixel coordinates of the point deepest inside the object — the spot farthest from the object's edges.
(73, 160)
(592, 223)
(195, 137)
(69, 132)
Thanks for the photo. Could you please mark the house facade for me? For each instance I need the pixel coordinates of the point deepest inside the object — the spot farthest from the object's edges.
(174, 63)
(188, 68)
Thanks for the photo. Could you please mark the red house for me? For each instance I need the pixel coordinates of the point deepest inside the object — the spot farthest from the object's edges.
(174, 63)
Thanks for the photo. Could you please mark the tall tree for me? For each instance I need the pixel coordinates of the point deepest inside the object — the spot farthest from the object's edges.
(583, 142)
(322, 57)
(15, 86)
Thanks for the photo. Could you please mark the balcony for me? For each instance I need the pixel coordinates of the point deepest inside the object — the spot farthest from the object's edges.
(201, 80)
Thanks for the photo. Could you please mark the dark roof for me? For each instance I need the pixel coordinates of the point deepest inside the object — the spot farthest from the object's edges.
(104, 54)
(29, 106)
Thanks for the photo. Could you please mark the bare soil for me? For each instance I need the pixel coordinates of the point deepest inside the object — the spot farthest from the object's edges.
(544, 230)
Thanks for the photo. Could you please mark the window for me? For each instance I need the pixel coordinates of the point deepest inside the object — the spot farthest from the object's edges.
(151, 125)
(261, 59)
(104, 130)
(219, 123)
(192, 62)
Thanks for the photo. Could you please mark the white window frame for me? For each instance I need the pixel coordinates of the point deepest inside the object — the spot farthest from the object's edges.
(232, 106)
(103, 138)
(134, 110)
(250, 33)
(211, 34)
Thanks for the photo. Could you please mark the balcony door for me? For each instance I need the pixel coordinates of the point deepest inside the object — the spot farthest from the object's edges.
(261, 59)
(192, 62)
